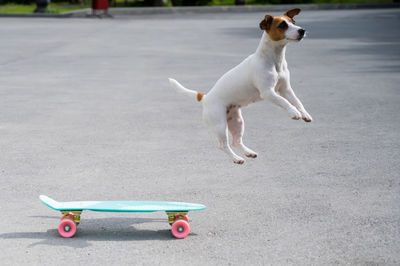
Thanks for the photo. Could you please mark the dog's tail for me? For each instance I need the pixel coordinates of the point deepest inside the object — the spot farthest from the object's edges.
(191, 93)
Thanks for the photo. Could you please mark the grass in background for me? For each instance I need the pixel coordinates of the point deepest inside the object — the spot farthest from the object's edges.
(16, 9)
(53, 8)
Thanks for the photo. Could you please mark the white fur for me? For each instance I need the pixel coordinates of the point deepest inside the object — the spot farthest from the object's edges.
(179, 88)
(263, 75)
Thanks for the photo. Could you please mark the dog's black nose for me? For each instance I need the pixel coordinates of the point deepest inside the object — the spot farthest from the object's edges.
(301, 33)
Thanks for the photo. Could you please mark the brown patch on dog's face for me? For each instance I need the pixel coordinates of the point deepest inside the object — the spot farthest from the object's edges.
(276, 26)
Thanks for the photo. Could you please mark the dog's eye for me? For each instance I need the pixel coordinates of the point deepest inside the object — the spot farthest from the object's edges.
(294, 22)
(283, 25)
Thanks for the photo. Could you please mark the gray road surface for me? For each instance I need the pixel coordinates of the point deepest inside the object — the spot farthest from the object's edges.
(86, 113)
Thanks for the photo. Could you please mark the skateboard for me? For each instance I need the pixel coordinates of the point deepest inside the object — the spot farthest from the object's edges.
(71, 212)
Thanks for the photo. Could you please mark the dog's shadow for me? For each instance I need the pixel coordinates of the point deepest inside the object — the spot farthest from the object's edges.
(104, 229)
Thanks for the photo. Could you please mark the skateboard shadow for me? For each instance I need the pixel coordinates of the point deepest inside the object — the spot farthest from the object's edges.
(104, 229)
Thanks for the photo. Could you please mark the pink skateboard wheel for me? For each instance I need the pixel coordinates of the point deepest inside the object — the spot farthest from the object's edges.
(67, 228)
(180, 228)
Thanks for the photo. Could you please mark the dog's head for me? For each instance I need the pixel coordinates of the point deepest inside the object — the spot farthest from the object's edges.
(283, 27)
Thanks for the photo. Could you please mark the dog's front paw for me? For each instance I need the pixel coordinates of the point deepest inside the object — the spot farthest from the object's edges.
(306, 116)
(294, 114)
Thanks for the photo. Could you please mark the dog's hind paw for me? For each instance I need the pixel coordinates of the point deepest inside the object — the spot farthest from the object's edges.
(251, 155)
(238, 160)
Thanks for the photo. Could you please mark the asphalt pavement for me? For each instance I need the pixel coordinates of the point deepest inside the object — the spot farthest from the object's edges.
(86, 113)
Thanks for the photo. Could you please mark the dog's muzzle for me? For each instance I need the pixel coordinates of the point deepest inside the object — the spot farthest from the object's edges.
(301, 32)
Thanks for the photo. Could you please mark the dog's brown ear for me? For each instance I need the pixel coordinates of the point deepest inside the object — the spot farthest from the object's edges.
(293, 12)
(265, 24)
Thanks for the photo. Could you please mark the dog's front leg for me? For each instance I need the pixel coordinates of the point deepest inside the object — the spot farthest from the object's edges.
(287, 92)
(267, 92)
(285, 104)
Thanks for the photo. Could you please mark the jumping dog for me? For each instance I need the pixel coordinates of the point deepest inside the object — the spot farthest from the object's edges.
(264, 75)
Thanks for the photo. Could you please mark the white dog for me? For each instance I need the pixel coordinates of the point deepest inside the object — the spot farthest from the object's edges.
(263, 75)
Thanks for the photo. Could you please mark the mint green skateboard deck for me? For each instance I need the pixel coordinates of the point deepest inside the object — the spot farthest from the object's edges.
(71, 211)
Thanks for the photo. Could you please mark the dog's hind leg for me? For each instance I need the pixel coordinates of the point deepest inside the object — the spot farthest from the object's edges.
(236, 127)
(216, 120)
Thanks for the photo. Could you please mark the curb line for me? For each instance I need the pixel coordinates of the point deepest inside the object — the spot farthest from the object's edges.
(240, 9)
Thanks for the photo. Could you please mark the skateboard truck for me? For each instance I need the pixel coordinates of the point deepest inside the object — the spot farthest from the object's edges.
(73, 215)
(173, 216)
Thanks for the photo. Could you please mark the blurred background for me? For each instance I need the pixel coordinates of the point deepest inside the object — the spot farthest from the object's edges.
(61, 6)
